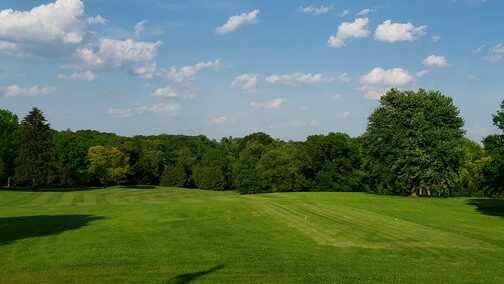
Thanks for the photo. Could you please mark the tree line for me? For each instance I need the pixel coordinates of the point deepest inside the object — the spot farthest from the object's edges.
(414, 145)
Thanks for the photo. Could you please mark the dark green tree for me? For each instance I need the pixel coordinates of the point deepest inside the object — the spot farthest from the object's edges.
(8, 144)
(33, 156)
(246, 179)
(493, 171)
(213, 171)
(413, 144)
(174, 176)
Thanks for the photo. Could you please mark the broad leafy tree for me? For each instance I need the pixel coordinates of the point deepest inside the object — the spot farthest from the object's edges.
(174, 176)
(109, 165)
(8, 144)
(213, 171)
(494, 145)
(33, 156)
(413, 144)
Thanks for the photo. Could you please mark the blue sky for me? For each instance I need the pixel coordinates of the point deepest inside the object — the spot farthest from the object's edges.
(229, 68)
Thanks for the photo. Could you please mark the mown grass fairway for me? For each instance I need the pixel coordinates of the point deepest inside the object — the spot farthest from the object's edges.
(164, 235)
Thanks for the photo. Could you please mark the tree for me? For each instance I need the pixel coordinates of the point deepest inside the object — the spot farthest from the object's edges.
(246, 179)
(283, 168)
(8, 144)
(174, 176)
(335, 162)
(109, 165)
(413, 144)
(33, 156)
(213, 171)
(493, 171)
(471, 179)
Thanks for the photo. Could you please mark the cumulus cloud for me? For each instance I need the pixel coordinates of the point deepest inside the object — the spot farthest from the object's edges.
(16, 91)
(391, 77)
(375, 83)
(86, 75)
(295, 78)
(347, 30)
(247, 82)
(147, 71)
(316, 10)
(271, 104)
(422, 73)
(96, 20)
(112, 53)
(46, 26)
(396, 32)
(435, 61)
(218, 120)
(171, 108)
(166, 92)
(188, 72)
(236, 21)
(139, 28)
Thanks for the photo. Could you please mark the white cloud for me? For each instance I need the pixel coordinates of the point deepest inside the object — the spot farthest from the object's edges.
(49, 25)
(372, 92)
(316, 10)
(166, 92)
(344, 78)
(147, 71)
(86, 75)
(236, 21)
(97, 20)
(171, 108)
(112, 53)
(271, 104)
(391, 77)
(346, 30)
(395, 32)
(435, 61)
(422, 73)
(247, 82)
(344, 13)
(364, 12)
(139, 28)
(295, 78)
(218, 120)
(496, 53)
(16, 91)
(188, 72)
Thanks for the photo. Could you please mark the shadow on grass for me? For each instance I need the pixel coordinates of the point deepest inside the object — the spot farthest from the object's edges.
(188, 277)
(18, 228)
(62, 189)
(493, 207)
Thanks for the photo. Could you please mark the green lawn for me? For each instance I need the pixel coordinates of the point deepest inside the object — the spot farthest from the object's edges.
(164, 235)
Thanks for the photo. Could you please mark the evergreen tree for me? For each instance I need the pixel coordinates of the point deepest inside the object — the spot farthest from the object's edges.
(33, 156)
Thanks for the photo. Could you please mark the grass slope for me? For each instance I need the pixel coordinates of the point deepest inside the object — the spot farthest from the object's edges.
(164, 235)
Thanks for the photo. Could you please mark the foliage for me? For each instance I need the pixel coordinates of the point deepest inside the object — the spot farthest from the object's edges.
(174, 176)
(494, 145)
(33, 156)
(109, 165)
(213, 171)
(246, 178)
(413, 144)
(8, 143)
(471, 179)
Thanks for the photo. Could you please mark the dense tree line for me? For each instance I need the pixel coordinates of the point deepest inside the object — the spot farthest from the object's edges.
(414, 145)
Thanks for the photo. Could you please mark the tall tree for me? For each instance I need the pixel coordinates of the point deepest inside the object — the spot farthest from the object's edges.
(494, 145)
(109, 165)
(8, 146)
(413, 144)
(32, 162)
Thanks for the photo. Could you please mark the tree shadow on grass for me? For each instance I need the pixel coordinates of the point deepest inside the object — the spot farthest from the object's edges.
(189, 277)
(18, 228)
(493, 207)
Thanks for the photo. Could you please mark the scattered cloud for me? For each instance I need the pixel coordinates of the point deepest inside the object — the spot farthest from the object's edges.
(236, 21)
(97, 20)
(435, 61)
(347, 30)
(391, 77)
(171, 108)
(296, 78)
(496, 53)
(344, 13)
(247, 82)
(315, 10)
(188, 72)
(396, 32)
(166, 92)
(139, 28)
(112, 53)
(16, 91)
(364, 13)
(86, 75)
(422, 73)
(147, 71)
(218, 120)
(271, 104)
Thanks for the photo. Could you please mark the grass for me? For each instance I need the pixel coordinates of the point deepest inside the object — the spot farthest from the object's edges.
(166, 235)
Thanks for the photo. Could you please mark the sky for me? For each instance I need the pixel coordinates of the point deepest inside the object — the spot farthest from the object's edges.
(229, 68)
